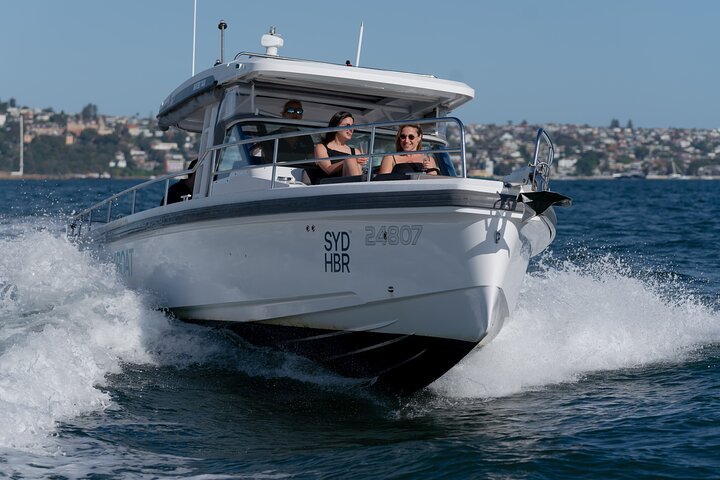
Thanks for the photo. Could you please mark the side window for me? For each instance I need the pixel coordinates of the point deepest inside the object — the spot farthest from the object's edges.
(230, 156)
(443, 160)
(383, 144)
(445, 163)
(238, 156)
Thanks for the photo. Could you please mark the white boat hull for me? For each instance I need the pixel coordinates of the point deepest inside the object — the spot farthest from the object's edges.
(395, 290)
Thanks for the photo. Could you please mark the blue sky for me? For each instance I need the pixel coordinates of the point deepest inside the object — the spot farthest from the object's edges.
(654, 62)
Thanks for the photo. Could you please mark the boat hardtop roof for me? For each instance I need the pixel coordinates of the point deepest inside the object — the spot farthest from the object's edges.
(268, 81)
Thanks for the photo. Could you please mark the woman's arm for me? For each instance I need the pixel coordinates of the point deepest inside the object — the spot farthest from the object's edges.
(388, 162)
(430, 166)
(354, 166)
(326, 165)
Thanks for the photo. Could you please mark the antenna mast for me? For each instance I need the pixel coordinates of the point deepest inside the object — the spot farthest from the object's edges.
(222, 26)
(194, 30)
(359, 47)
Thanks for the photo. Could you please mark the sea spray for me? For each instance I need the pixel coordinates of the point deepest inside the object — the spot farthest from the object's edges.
(574, 319)
(67, 323)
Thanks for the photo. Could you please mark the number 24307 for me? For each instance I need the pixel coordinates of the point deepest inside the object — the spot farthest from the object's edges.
(392, 235)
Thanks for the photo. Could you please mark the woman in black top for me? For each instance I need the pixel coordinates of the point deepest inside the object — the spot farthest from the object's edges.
(335, 144)
(408, 139)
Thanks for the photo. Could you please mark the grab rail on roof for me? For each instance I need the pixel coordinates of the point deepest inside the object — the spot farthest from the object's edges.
(239, 55)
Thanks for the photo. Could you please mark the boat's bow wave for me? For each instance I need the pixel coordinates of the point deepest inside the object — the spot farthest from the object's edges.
(602, 315)
(67, 322)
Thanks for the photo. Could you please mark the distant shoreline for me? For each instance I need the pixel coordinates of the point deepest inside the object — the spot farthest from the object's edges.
(36, 176)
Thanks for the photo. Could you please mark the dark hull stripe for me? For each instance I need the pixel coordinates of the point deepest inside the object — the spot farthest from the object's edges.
(317, 203)
(390, 363)
(386, 343)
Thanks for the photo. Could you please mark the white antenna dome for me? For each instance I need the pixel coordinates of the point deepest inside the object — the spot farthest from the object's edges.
(271, 41)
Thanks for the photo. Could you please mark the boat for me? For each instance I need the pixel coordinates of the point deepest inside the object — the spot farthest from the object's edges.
(676, 175)
(388, 279)
(630, 174)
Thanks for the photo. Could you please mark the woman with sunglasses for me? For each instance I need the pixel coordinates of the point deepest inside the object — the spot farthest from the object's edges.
(336, 144)
(408, 139)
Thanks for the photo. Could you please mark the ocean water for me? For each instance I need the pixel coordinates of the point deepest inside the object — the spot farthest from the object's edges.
(608, 368)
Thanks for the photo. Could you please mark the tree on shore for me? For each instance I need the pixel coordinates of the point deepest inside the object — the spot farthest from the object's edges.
(89, 112)
(641, 152)
(588, 162)
(5, 105)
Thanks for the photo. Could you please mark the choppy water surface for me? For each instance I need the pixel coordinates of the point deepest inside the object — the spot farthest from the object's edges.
(609, 367)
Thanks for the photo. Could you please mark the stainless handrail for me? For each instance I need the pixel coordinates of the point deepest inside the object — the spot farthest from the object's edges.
(541, 168)
(141, 186)
(76, 220)
(239, 55)
(371, 148)
(372, 127)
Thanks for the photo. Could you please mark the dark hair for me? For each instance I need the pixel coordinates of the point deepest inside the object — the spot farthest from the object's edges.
(192, 164)
(290, 102)
(334, 122)
(417, 127)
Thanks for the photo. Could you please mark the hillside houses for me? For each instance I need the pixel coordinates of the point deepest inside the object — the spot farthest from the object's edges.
(596, 151)
(141, 146)
(492, 150)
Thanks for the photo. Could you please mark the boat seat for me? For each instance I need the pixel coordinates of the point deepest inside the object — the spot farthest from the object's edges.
(348, 179)
(380, 177)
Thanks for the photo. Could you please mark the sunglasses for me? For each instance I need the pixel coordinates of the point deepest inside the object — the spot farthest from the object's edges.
(294, 111)
(411, 136)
